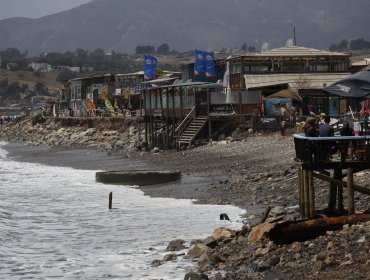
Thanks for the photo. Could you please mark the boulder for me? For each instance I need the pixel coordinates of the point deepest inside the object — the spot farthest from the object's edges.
(196, 250)
(176, 245)
(223, 233)
(259, 231)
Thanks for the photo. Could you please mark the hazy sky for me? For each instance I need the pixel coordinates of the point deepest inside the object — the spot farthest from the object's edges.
(36, 8)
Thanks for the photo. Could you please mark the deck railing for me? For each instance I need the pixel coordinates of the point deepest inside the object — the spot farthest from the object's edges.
(327, 152)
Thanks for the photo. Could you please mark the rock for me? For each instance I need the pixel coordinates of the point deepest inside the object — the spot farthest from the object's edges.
(204, 258)
(273, 261)
(259, 231)
(156, 263)
(195, 251)
(169, 257)
(176, 245)
(155, 150)
(362, 239)
(260, 252)
(221, 137)
(330, 245)
(195, 276)
(223, 233)
(317, 266)
(263, 266)
(277, 211)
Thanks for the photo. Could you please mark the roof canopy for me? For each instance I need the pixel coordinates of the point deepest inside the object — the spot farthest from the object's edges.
(355, 86)
(286, 93)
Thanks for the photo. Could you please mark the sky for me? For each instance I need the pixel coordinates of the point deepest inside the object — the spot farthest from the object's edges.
(36, 8)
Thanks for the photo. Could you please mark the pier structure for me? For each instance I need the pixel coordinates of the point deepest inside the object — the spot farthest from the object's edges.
(330, 159)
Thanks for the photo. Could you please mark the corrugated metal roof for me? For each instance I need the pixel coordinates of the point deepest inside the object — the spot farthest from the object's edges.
(159, 80)
(298, 51)
(316, 80)
(291, 51)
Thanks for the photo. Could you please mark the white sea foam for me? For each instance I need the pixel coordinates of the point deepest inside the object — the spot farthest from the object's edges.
(55, 222)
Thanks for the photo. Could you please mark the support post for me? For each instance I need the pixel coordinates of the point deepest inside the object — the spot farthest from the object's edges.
(306, 193)
(300, 190)
(333, 193)
(311, 194)
(350, 191)
(340, 193)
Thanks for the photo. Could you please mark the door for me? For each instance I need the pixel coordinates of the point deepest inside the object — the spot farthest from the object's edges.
(201, 103)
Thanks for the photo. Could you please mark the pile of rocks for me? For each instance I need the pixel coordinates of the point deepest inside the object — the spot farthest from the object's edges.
(54, 133)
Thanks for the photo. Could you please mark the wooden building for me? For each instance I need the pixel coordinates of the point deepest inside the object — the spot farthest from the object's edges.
(287, 68)
(185, 110)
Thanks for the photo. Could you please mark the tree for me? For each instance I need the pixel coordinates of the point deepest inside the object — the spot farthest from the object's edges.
(359, 44)
(144, 49)
(41, 89)
(65, 75)
(163, 49)
(244, 47)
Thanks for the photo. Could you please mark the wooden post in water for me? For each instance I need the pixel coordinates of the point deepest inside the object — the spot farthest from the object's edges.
(110, 200)
(350, 191)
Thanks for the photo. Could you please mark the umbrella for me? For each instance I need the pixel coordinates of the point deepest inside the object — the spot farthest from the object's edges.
(286, 93)
(354, 86)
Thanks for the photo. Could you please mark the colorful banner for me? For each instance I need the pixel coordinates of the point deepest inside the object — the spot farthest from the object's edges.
(210, 64)
(199, 63)
(150, 66)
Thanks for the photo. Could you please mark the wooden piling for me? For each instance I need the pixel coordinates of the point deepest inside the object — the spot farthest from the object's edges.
(300, 190)
(311, 194)
(306, 194)
(350, 191)
(110, 200)
(333, 193)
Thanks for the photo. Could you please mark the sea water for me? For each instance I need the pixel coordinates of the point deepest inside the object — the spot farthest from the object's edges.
(55, 223)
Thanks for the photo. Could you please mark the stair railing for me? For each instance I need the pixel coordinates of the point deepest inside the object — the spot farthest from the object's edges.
(185, 122)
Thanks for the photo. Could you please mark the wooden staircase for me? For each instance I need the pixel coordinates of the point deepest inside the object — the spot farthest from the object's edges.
(191, 131)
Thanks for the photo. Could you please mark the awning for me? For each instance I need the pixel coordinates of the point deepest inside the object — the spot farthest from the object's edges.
(286, 93)
(315, 80)
(354, 86)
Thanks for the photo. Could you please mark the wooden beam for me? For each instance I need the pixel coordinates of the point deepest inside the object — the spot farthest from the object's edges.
(350, 192)
(339, 182)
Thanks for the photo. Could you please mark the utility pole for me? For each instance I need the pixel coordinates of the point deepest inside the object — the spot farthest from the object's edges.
(294, 36)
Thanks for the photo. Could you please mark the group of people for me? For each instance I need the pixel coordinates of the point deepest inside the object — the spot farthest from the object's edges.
(313, 128)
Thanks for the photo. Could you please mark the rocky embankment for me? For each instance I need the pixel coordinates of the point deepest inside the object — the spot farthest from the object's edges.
(257, 172)
(102, 134)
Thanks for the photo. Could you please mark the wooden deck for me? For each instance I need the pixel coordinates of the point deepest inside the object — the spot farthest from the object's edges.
(325, 158)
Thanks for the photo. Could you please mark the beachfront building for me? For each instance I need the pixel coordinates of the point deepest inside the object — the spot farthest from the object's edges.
(293, 68)
(91, 89)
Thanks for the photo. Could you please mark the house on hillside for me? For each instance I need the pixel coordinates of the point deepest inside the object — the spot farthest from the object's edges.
(40, 67)
(12, 66)
(293, 68)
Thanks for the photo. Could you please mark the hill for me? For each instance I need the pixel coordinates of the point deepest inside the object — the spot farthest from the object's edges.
(30, 79)
(187, 24)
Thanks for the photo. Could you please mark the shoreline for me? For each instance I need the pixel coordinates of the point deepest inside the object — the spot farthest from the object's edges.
(253, 173)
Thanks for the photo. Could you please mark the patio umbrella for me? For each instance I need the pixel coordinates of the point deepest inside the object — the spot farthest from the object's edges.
(286, 93)
(354, 86)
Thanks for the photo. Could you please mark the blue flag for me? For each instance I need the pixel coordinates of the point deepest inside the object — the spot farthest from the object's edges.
(199, 63)
(150, 66)
(210, 64)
